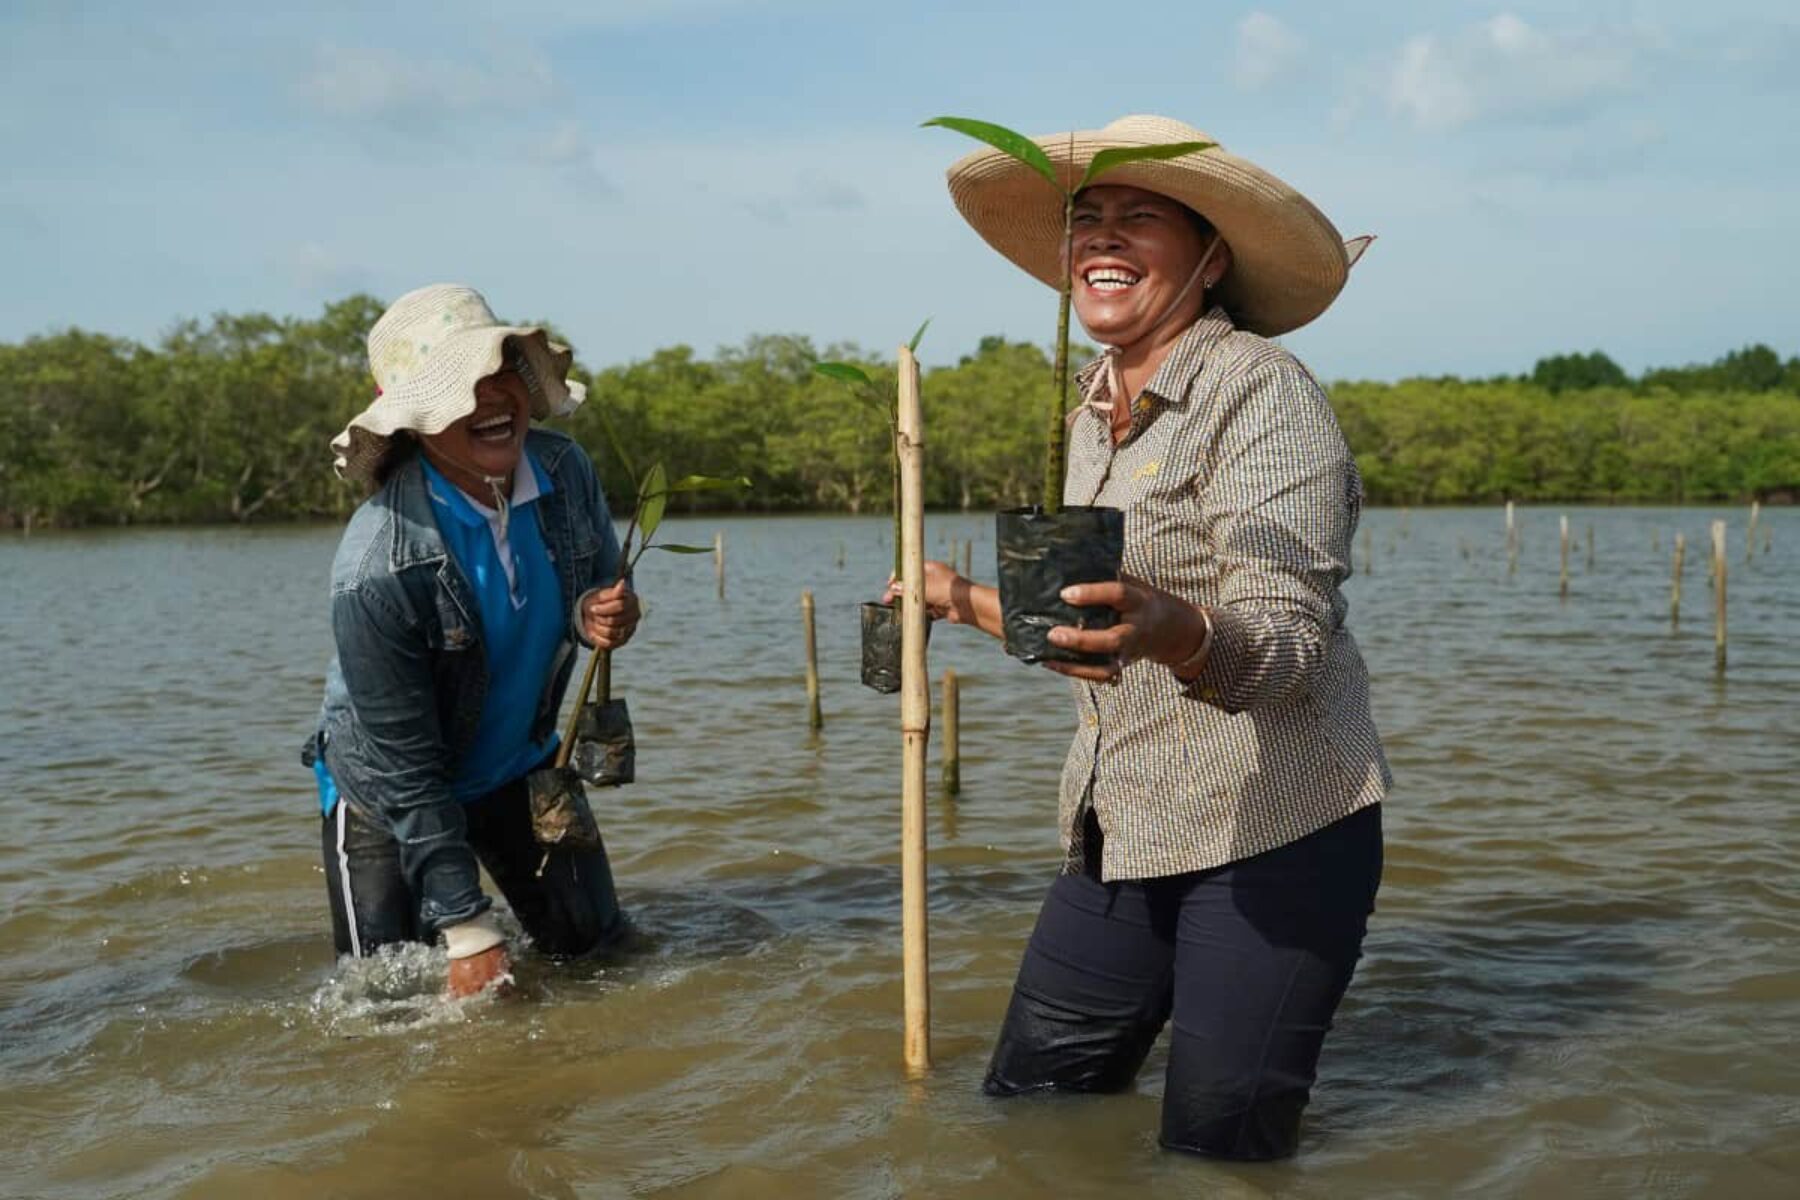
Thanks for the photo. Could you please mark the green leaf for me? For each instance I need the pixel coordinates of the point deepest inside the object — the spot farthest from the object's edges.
(708, 483)
(652, 500)
(843, 373)
(913, 346)
(1014, 145)
(1118, 156)
(678, 548)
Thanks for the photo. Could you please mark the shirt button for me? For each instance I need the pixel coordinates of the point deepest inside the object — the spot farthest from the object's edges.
(1093, 722)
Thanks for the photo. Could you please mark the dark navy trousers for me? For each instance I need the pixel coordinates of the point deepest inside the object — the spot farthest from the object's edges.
(1245, 962)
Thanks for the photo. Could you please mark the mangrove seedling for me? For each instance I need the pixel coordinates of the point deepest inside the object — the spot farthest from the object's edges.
(1022, 149)
(1042, 549)
(880, 620)
(604, 750)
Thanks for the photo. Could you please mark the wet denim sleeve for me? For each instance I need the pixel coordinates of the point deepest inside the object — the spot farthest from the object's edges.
(386, 667)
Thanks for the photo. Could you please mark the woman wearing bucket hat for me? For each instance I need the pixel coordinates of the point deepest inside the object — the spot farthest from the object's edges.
(482, 555)
(1220, 804)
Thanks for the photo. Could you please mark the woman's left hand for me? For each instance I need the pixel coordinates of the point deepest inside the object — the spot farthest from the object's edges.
(609, 616)
(1152, 624)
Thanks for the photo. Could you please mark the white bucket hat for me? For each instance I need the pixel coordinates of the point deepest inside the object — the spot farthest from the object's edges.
(1288, 262)
(427, 352)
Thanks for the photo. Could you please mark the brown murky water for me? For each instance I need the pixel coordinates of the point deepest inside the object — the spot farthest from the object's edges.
(1583, 980)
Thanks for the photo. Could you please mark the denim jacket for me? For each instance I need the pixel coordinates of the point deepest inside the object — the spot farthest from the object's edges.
(403, 696)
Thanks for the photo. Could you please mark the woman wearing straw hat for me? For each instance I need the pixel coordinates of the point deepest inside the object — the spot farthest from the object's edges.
(483, 553)
(1220, 804)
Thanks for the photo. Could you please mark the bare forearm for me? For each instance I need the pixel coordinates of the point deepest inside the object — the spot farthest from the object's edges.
(978, 605)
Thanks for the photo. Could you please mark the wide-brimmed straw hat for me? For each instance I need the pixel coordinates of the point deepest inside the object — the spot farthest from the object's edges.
(1288, 262)
(427, 352)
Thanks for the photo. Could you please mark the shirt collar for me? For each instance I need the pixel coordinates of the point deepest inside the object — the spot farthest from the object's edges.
(527, 486)
(1175, 377)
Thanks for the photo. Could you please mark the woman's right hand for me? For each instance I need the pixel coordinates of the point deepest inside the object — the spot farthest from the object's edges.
(953, 598)
(478, 972)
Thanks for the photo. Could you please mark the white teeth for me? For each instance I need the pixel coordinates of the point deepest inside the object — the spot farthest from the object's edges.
(502, 422)
(1110, 279)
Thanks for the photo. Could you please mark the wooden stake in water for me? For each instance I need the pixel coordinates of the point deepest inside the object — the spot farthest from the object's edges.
(1675, 585)
(1368, 551)
(968, 563)
(1718, 546)
(952, 734)
(815, 716)
(1590, 541)
(719, 560)
(915, 721)
(1750, 537)
(1565, 556)
(1512, 541)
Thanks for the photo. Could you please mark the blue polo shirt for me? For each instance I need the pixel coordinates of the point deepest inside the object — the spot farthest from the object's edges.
(523, 619)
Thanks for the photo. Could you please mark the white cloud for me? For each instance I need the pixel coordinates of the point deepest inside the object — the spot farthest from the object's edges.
(569, 150)
(318, 271)
(1506, 68)
(1266, 48)
(376, 83)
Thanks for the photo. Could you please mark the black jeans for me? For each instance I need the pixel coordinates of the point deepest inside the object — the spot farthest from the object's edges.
(1250, 959)
(569, 910)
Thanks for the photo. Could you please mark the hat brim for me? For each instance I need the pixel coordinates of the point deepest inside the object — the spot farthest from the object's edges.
(1288, 261)
(431, 401)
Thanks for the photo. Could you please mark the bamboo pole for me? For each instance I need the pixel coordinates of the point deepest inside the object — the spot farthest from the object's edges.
(1564, 587)
(1512, 541)
(719, 560)
(1750, 537)
(1675, 585)
(952, 733)
(815, 716)
(1718, 547)
(915, 722)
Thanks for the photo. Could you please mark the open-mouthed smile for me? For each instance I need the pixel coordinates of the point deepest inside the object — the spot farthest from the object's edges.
(1110, 281)
(494, 430)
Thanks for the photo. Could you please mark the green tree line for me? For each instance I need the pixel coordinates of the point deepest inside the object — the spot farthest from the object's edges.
(230, 420)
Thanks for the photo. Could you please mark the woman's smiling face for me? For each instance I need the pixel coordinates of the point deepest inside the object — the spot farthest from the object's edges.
(489, 440)
(1134, 252)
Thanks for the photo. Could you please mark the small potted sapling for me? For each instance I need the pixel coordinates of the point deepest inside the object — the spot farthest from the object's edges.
(1044, 548)
(880, 619)
(603, 747)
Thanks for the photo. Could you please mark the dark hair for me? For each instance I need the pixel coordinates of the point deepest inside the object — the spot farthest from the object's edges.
(402, 445)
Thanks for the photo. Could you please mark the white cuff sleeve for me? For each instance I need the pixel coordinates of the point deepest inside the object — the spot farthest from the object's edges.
(472, 937)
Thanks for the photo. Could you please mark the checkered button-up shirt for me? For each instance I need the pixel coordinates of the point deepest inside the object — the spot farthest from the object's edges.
(1240, 495)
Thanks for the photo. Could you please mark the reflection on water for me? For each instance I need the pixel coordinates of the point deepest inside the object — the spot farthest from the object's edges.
(1582, 978)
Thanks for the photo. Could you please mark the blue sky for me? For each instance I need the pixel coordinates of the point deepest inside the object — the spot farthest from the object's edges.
(1543, 177)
